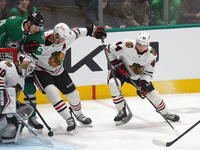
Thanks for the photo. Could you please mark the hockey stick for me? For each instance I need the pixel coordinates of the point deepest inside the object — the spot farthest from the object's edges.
(45, 142)
(129, 116)
(168, 144)
(152, 104)
(52, 131)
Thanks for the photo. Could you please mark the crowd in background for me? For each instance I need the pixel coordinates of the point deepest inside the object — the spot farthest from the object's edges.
(116, 13)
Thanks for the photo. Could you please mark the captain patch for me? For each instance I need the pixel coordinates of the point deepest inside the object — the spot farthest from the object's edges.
(8, 64)
(153, 52)
(129, 44)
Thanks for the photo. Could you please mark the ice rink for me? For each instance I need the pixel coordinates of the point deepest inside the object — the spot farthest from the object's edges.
(137, 134)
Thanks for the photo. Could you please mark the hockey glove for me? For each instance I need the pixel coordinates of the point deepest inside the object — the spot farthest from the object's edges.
(30, 46)
(96, 31)
(143, 88)
(120, 67)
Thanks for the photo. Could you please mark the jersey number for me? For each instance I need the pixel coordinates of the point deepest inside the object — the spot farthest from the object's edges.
(2, 72)
(153, 63)
(117, 46)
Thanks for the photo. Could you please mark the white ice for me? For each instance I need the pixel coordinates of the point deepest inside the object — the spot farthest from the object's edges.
(137, 134)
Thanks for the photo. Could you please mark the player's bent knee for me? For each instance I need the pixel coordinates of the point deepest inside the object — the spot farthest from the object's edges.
(73, 96)
(154, 97)
(52, 93)
(113, 87)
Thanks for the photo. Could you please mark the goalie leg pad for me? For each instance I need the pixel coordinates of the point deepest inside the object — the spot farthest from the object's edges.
(155, 98)
(10, 130)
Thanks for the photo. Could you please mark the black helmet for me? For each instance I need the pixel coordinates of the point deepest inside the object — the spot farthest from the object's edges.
(36, 18)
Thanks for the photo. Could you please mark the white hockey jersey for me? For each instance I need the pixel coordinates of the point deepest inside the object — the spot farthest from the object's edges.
(50, 52)
(139, 66)
(9, 76)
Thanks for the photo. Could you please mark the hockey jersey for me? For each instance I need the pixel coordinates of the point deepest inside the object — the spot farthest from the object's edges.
(9, 76)
(52, 57)
(138, 65)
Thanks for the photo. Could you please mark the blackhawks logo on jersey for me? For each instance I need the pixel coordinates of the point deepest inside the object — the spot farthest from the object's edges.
(8, 64)
(137, 68)
(129, 44)
(153, 52)
(56, 59)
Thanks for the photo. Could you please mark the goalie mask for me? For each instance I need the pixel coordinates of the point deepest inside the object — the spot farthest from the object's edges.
(27, 64)
(63, 30)
(143, 38)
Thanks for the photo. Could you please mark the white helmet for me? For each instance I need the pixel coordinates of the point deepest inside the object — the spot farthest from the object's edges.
(143, 38)
(27, 64)
(62, 29)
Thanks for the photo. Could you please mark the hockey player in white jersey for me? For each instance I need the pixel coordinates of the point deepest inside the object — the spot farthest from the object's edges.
(12, 78)
(51, 76)
(134, 60)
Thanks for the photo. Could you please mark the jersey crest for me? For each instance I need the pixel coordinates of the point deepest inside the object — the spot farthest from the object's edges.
(153, 52)
(137, 68)
(8, 64)
(12, 17)
(129, 44)
(56, 59)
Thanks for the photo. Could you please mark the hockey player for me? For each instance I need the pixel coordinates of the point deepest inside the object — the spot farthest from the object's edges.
(26, 34)
(51, 76)
(12, 76)
(134, 60)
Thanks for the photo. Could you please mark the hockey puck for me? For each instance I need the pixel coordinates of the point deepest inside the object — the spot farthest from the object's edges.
(50, 134)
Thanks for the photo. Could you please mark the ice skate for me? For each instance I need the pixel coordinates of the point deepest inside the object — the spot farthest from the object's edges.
(35, 125)
(71, 126)
(172, 117)
(121, 114)
(83, 120)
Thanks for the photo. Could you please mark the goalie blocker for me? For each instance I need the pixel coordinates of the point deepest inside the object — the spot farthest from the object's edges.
(10, 127)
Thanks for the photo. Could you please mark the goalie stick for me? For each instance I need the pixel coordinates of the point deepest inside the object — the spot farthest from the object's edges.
(45, 142)
(52, 131)
(129, 116)
(168, 144)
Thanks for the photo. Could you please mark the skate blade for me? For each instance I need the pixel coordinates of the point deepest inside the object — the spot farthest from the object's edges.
(72, 132)
(38, 131)
(86, 125)
(118, 123)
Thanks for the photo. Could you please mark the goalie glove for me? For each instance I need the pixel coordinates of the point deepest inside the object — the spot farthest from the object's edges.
(30, 46)
(143, 88)
(120, 67)
(96, 31)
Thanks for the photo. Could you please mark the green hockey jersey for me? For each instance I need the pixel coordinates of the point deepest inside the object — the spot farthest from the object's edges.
(13, 35)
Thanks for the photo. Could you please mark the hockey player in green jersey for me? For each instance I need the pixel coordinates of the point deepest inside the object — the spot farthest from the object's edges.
(27, 35)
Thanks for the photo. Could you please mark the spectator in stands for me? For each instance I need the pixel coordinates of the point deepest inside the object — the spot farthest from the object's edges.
(111, 18)
(3, 10)
(189, 11)
(157, 6)
(136, 13)
(23, 9)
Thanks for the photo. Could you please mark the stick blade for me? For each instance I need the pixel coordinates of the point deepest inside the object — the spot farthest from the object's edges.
(56, 130)
(128, 118)
(48, 143)
(159, 143)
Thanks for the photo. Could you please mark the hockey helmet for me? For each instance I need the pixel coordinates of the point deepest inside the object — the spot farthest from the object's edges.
(36, 18)
(27, 64)
(62, 29)
(143, 38)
